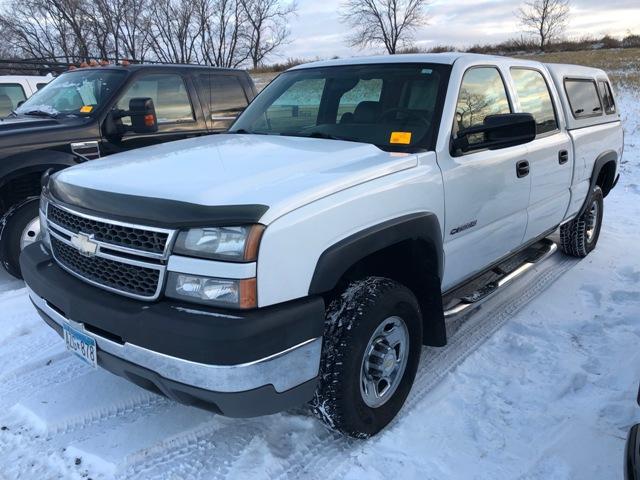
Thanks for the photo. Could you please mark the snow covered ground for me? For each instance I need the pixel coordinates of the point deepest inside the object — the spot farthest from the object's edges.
(540, 383)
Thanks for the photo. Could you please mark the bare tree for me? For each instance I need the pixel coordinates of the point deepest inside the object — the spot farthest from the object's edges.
(223, 32)
(544, 18)
(175, 31)
(390, 23)
(267, 28)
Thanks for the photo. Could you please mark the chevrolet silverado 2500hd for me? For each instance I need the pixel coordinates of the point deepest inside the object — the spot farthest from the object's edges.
(308, 254)
(92, 112)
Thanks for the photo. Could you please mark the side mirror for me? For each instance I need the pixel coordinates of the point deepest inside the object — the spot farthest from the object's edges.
(143, 115)
(497, 131)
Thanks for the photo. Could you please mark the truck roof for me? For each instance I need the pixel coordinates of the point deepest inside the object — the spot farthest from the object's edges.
(15, 78)
(159, 66)
(447, 58)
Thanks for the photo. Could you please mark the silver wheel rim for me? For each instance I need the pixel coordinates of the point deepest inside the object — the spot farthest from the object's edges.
(592, 221)
(30, 234)
(384, 362)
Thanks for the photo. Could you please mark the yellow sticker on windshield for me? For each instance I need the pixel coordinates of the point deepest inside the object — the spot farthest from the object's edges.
(402, 138)
(86, 109)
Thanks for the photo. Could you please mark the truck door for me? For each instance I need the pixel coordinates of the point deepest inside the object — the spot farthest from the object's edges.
(486, 191)
(176, 109)
(550, 154)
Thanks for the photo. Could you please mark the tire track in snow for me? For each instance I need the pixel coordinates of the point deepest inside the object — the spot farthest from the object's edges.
(212, 448)
(326, 455)
(221, 445)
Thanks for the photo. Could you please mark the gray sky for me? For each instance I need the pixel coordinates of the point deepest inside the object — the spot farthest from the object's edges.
(317, 31)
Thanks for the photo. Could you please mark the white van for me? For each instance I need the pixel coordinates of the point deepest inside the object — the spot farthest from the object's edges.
(17, 88)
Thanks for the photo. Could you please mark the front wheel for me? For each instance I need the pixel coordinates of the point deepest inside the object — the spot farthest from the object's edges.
(372, 345)
(580, 236)
(20, 227)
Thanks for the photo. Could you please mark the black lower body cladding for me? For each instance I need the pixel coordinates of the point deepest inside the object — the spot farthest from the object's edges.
(205, 336)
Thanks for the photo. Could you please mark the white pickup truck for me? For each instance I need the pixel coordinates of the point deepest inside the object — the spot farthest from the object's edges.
(310, 253)
(15, 89)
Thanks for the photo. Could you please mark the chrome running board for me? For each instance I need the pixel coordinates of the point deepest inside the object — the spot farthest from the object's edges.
(500, 276)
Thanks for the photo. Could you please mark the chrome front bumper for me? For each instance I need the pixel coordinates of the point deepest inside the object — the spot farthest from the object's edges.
(283, 370)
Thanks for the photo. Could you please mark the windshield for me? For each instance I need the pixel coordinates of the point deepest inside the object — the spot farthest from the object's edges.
(391, 106)
(74, 93)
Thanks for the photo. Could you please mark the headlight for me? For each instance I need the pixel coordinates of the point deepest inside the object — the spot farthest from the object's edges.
(234, 244)
(212, 291)
(44, 231)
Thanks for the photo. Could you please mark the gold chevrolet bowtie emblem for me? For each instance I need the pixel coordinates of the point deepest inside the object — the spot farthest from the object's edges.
(85, 244)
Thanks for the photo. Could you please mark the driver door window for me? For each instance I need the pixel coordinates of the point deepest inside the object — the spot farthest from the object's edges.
(482, 93)
(169, 95)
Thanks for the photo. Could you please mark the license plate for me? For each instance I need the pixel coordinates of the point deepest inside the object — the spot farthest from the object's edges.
(82, 345)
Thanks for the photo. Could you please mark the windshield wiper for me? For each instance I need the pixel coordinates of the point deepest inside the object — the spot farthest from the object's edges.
(242, 131)
(326, 136)
(40, 113)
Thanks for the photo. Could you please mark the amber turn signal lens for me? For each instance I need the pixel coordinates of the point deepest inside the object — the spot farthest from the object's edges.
(149, 120)
(248, 293)
(252, 244)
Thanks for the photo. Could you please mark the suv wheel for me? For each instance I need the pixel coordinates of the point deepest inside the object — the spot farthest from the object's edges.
(372, 345)
(579, 237)
(20, 227)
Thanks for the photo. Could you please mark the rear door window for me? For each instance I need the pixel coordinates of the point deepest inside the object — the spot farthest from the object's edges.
(583, 97)
(607, 97)
(224, 95)
(10, 95)
(533, 94)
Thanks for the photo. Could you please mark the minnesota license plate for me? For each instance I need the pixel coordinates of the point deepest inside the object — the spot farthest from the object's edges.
(82, 345)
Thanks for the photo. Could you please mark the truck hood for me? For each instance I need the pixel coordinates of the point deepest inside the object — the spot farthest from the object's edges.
(281, 173)
(10, 125)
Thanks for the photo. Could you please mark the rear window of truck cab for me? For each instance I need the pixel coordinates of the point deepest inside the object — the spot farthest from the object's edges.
(393, 106)
(583, 97)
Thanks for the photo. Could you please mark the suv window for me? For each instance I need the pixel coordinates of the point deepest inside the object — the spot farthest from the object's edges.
(535, 98)
(10, 95)
(224, 95)
(607, 97)
(583, 97)
(482, 93)
(169, 94)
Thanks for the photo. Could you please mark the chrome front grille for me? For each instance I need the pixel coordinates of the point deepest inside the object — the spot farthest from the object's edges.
(131, 279)
(108, 232)
(123, 258)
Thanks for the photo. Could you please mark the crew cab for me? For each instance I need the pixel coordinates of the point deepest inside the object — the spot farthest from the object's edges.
(15, 89)
(92, 112)
(309, 253)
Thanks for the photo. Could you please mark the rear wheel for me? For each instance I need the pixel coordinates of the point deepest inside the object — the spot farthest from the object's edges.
(20, 227)
(372, 345)
(580, 236)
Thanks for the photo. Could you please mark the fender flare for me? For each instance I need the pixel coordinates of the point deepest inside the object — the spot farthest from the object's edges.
(424, 227)
(337, 259)
(601, 161)
(34, 161)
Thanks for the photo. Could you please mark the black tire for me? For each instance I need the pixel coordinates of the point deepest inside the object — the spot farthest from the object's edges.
(351, 321)
(12, 226)
(580, 236)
